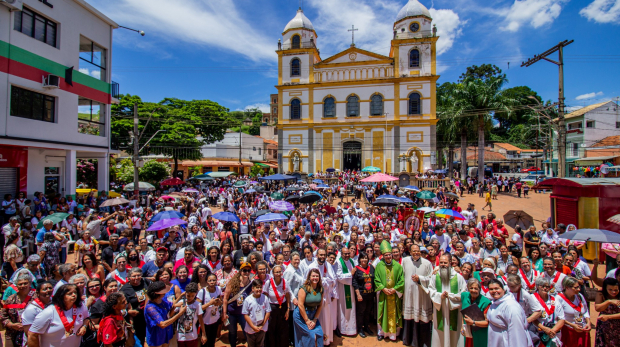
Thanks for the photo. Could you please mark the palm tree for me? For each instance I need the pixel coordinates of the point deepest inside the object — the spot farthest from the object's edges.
(483, 99)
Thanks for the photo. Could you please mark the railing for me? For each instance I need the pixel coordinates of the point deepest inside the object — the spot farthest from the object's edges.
(287, 46)
(417, 35)
(361, 73)
(429, 183)
(115, 90)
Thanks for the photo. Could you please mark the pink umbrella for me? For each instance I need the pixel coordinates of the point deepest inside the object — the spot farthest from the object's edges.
(166, 197)
(379, 177)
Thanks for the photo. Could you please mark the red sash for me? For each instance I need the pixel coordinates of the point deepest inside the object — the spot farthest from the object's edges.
(577, 308)
(367, 271)
(68, 326)
(527, 282)
(400, 261)
(213, 265)
(544, 305)
(23, 304)
(120, 280)
(555, 279)
(275, 290)
(484, 289)
(287, 263)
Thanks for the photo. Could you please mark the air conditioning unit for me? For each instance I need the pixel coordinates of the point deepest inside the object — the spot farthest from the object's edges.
(14, 5)
(51, 81)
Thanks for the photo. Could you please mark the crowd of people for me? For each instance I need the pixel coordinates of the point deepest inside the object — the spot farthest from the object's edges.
(329, 268)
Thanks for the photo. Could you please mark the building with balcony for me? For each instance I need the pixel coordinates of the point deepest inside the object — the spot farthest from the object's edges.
(56, 89)
(358, 108)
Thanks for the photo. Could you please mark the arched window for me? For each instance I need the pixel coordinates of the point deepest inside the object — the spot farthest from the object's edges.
(376, 105)
(353, 106)
(329, 107)
(295, 67)
(296, 41)
(295, 109)
(414, 58)
(415, 107)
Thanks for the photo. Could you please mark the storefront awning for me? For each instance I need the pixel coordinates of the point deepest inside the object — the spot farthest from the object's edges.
(215, 163)
(555, 161)
(266, 165)
(221, 174)
(593, 160)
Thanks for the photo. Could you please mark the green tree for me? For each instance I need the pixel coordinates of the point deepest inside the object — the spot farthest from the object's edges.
(255, 170)
(124, 174)
(484, 72)
(186, 125)
(154, 171)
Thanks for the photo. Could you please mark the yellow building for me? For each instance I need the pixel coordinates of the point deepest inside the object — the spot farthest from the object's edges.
(358, 108)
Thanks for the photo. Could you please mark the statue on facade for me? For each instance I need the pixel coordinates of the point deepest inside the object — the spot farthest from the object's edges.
(296, 163)
(414, 162)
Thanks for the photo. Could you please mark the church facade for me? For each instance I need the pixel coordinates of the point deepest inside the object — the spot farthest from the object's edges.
(358, 108)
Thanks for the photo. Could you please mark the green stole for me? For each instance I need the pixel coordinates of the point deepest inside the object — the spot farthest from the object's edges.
(347, 288)
(454, 314)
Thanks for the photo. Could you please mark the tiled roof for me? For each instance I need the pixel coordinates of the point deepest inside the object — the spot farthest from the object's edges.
(608, 141)
(488, 156)
(508, 147)
(584, 110)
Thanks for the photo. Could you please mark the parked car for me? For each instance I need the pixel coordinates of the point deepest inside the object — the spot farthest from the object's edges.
(531, 168)
(532, 179)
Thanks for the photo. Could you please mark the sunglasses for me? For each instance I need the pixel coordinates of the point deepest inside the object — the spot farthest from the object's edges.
(94, 287)
(245, 270)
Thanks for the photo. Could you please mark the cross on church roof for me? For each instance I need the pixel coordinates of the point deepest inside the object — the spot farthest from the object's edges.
(353, 30)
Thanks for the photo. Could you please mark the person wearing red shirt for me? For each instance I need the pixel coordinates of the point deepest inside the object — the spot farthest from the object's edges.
(111, 327)
(188, 260)
(502, 231)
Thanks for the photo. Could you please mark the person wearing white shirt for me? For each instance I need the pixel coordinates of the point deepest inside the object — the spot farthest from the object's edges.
(345, 233)
(531, 306)
(351, 219)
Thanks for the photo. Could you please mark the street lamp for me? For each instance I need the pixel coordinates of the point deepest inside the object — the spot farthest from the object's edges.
(141, 32)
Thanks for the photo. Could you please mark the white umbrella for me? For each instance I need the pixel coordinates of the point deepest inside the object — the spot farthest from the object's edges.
(142, 186)
(427, 209)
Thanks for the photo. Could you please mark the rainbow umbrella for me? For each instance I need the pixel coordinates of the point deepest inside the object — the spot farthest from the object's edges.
(446, 213)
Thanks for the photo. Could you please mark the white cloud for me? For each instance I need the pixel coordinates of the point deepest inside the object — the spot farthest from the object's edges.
(588, 96)
(533, 12)
(569, 109)
(213, 24)
(375, 22)
(449, 27)
(602, 11)
(264, 108)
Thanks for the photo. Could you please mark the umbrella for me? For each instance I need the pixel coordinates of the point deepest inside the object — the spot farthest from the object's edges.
(166, 197)
(226, 216)
(203, 177)
(190, 190)
(114, 202)
(371, 169)
(322, 186)
(387, 196)
(167, 215)
(271, 217)
(142, 186)
(385, 202)
(292, 197)
(452, 196)
(277, 196)
(405, 200)
(253, 182)
(240, 184)
(281, 206)
(614, 219)
(165, 224)
(426, 195)
(426, 209)
(331, 169)
(293, 189)
(440, 171)
(250, 191)
(411, 188)
(379, 177)
(174, 181)
(54, 217)
(596, 235)
(202, 200)
(518, 217)
(259, 213)
(446, 213)
(312, 186)
(313, 192)
(318, 181)
(277, 177)
(310, 197)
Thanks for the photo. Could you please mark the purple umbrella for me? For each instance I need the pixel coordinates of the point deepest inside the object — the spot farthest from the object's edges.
(281, 205)
(190, 190)
(165, 224)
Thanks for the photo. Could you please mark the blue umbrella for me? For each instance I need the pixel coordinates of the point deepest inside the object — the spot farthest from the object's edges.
(167, 215)
(226, 216)
(317, 181)
(313, 192)
(277, 177)
(331, 169)
(250, 191)
(440, 171)
(405, 200)
(412, 188)
(322, 186)
(387, 196)
(271, 217)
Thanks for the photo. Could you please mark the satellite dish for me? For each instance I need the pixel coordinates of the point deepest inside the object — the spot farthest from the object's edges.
(604, 169)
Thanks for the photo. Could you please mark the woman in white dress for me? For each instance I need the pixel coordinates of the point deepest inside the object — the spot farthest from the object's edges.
(551, 321)
(576, 330)
(507, 320)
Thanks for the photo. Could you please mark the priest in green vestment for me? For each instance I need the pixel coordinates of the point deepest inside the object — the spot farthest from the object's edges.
(390, 284)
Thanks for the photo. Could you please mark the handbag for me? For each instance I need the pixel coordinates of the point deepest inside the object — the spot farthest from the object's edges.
(590, 293)
(90, 338)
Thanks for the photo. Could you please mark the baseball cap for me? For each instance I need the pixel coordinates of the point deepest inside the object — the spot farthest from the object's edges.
(244, 265)
(163, 249)
(488, 270)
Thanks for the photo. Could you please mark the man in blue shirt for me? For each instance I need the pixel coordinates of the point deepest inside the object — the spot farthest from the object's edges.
(150, 269)
(47, 228)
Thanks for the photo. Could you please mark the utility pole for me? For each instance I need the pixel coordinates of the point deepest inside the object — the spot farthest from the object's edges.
(561, 121)
(240, 163)
(136, 150)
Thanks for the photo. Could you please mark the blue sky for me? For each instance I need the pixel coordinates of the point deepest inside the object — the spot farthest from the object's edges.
(224, 50)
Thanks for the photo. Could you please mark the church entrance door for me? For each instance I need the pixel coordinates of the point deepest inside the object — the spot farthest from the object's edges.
(351, 155)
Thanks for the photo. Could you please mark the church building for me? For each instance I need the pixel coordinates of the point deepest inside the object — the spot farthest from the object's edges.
(358, 108)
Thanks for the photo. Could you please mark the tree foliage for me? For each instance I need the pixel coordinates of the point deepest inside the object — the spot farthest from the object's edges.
(483, 72)
(187, 125)
(255, 170)
(154, 171)
(86, 170)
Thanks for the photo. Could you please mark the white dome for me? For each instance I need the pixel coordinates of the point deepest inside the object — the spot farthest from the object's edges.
(413, 9)
(300, 21)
